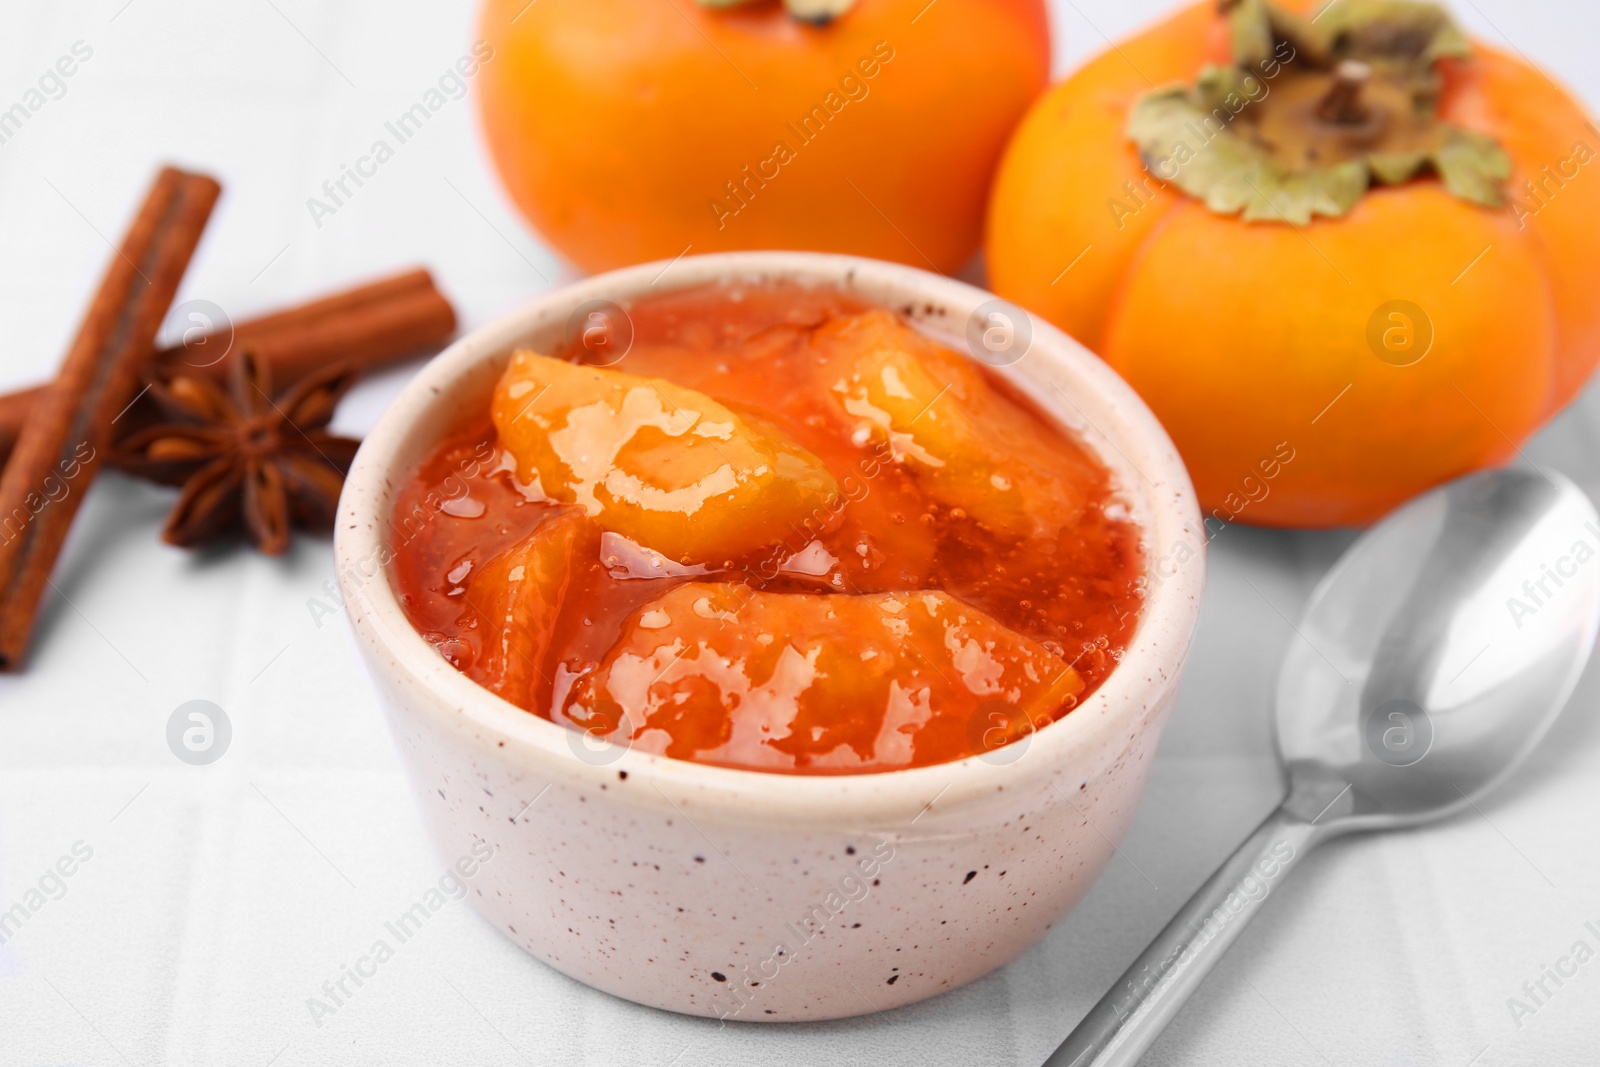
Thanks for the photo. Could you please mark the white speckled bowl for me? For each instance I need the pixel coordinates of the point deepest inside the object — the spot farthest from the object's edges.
(757, 896)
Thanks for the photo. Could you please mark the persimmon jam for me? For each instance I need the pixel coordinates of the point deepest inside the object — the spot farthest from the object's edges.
(783, 531)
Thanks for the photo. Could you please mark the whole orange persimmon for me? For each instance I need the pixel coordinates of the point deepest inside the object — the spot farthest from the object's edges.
(1343, 259)
(632, 130)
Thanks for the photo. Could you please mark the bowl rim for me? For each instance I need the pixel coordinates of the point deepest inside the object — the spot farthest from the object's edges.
(1115, 417)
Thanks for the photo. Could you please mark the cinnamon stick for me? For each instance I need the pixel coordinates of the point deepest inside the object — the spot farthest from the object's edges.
(68, 431)
(365, 327)
(14, 408)
(368, 326)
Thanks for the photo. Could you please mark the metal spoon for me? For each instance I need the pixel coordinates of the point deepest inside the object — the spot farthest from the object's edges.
(1429, 662)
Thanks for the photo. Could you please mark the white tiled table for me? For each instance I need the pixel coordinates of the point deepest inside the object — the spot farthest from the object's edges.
(217, 900)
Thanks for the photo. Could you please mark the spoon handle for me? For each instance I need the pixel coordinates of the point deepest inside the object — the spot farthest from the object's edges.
(1119, 1029)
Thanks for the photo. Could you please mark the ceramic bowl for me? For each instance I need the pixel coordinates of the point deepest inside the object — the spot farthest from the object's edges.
(767, 897)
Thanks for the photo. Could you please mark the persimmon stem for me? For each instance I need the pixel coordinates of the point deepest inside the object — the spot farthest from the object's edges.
(1343, 105)
(816, 12)
(1358, 107)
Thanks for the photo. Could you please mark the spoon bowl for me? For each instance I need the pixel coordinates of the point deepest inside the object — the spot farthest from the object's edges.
(1439, 650)
(1428, 663)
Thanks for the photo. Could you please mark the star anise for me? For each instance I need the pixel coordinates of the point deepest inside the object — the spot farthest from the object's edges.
(244, 457)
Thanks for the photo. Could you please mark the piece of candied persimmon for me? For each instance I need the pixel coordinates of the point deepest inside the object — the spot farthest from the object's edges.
(512, 604)
(965, 441)
(820, 683)
(665, 466)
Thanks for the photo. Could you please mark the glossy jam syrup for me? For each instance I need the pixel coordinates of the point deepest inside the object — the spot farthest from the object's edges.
(797, 656)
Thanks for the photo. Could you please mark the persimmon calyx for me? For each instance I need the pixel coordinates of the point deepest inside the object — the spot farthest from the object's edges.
(819, 12)
(1312, 113)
